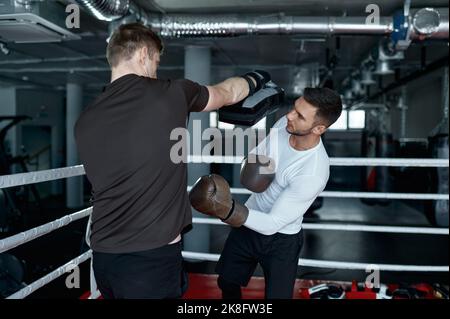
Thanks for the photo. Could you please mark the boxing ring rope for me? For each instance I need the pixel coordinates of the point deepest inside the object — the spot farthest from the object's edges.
(243, 191)
(66, 172)
(40, 176)
(384, 195)
(58, 272)
(347, 227)
(338, 161)
(334, 264)
(29, 235)
(78, 170)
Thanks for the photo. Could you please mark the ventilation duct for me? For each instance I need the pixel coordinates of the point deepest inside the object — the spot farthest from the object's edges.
(235, 25)
(106, 10)
(433, 23)
(30, 21)
(430, 23)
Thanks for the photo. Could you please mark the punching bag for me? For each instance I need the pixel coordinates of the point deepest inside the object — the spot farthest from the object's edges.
(438, 209)
(368, 149)
(376, 178)
(383, 180)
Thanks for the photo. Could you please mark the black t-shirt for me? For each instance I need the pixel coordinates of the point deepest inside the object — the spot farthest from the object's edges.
(139, 195)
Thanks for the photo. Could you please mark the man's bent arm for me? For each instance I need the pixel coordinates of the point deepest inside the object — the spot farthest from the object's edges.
(293, 202)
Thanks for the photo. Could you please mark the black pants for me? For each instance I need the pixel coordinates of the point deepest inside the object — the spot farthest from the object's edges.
(277, 254)
(150, 274)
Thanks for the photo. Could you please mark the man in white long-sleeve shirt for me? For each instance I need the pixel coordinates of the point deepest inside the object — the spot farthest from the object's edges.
(272, 233)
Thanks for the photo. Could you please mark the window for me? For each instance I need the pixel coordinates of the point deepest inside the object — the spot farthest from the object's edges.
(341, 123)
(350, 120)
(356, 119)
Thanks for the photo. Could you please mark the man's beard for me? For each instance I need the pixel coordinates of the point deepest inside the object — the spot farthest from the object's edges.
(299, 133)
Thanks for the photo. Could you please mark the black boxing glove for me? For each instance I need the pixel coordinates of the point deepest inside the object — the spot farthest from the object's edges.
(260, 77)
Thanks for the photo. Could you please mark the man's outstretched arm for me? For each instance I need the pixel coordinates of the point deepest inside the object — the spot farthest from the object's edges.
(228, 92)
(235, 89)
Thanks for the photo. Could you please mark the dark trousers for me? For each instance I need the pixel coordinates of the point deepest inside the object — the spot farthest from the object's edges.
(151, 274)
(277, 254)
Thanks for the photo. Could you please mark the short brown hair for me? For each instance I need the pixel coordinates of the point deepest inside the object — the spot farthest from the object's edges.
(327, 102)
(127, 39)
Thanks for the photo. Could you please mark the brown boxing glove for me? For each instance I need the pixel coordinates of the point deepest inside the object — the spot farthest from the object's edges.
(257, 172)
(211, 195)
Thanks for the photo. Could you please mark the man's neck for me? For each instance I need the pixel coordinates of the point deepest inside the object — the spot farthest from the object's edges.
(303, 143)
(122, 70)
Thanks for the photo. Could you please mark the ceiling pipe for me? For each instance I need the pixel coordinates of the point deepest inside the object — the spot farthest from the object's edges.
(106, 10)
(426, 23)
(429, 23)
(236, 25)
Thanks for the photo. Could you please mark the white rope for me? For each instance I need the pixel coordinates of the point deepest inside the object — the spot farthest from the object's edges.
(378, 229)
(337, 161)
(26, 236)
(29, 235)
(215, 159)
(200, 256)
(334, 264)
(415, 196)
(58, 272)
(71, 171)
(396, 162)
(40, 176)
(364, 266)
(346, 227)
(92, 282)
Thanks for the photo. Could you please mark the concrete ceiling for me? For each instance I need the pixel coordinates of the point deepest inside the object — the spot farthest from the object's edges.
(49, 64)
(300, 7)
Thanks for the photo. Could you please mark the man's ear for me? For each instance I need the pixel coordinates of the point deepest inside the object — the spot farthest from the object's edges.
(143, 54)
(319, 129)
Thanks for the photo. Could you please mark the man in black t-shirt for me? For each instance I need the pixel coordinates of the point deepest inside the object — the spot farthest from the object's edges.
(139, 196)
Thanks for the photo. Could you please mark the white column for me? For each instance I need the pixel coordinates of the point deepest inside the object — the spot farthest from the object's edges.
(57, 140)
(197, 67)
(74, 106)
(9, 108)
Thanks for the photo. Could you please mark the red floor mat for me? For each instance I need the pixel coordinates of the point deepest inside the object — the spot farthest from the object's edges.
(202, 286)
(205, 287)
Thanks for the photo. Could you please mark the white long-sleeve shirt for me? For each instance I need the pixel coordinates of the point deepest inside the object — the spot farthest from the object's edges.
(300, 177)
